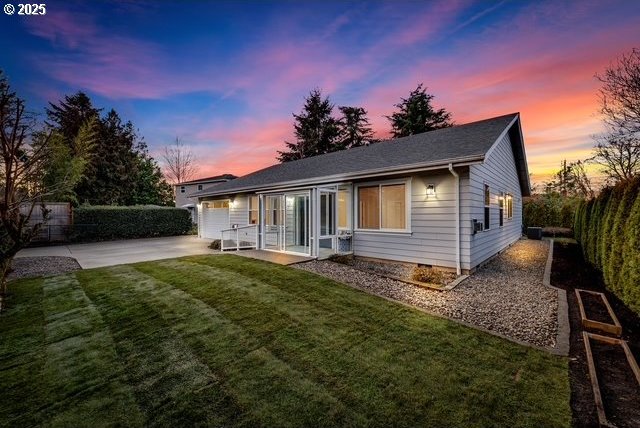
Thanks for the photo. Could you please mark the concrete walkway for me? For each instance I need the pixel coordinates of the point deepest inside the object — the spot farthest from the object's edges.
(109, 253)
(271, 256)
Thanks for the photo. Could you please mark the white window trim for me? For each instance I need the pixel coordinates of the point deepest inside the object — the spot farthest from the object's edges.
(407, 195)
(502, 212)
(486, 227)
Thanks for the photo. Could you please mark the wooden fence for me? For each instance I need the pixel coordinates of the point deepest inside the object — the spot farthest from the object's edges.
(58, 224)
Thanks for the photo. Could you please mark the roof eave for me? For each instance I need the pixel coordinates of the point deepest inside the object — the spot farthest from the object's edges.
(410, 168)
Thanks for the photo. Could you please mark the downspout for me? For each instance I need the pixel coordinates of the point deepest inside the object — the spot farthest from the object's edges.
(457, 218)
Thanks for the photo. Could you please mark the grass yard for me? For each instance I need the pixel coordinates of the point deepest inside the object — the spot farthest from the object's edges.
(229, 341)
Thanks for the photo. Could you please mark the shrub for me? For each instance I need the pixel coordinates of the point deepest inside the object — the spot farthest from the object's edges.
(216, 244)
(99, 223)
(618, 237)
(428, 275)
(606, 238)
(629, 279)
(549, 210)
(595, 231)
(584, 225)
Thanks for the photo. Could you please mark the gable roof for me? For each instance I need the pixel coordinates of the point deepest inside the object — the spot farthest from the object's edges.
(459, 144)
(223, 177)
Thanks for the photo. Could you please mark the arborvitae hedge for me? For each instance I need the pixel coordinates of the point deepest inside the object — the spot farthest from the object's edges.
(608, 229)
(98, 223)
(629, 279)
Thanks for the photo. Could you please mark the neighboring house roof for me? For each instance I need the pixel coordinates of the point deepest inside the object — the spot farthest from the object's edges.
(223, 177)
(459, 144)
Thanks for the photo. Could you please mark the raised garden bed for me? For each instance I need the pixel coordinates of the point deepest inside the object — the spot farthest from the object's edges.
(596, 312)
(615, 380)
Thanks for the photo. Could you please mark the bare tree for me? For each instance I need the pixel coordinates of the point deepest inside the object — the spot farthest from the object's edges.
(618, 153)
(617, 150)
(179, 162)
(571, 181)
(620, 92)
(25, 158)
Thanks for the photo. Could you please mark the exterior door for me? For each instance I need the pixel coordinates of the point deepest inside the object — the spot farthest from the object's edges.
(327, 239)
(296, 223)
(273, 222)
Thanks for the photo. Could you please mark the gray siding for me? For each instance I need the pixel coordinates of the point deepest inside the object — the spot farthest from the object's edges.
(499, 172)
(239, 210)
(432, 237)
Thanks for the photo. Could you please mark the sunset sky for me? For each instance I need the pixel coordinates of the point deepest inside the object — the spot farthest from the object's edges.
(226, 77)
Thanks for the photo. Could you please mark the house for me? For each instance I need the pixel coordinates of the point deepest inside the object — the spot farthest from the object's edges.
(449, 198)
(184, 191)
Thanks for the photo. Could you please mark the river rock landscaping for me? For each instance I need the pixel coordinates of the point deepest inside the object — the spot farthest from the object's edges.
(506, 296)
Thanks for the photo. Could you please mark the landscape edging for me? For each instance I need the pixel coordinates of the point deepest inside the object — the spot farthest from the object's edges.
(564, 328)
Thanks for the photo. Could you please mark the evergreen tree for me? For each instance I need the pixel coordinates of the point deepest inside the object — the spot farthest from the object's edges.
(120, 170)
(316, 130)
(70, 114)
(355, 130)
(417, 115)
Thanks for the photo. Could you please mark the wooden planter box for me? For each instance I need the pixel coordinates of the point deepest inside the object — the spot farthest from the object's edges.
(589, 324)
(595, 385)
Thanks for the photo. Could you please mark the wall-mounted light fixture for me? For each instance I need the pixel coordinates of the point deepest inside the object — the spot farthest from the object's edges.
(431, 190)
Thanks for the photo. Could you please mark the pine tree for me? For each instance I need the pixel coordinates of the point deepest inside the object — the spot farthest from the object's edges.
(316, 130)
(355, 129)
(417, 115)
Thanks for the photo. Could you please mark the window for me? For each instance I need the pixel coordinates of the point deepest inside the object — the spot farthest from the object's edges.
(219, 204)
(509, 206)
(199, 186)
(487, 207)
(382, 207)
(183, 189)
(327, 201)
(501, 209)
(343, 209)
(253, 209)
(272, 211)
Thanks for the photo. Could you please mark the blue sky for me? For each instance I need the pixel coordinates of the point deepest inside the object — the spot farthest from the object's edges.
(226, 76)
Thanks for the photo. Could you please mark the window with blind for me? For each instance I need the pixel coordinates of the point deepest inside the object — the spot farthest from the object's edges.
(253, 209)
(382, 207)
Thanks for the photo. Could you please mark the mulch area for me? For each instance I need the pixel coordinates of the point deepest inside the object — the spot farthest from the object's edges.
(28, 267)
(620, 391)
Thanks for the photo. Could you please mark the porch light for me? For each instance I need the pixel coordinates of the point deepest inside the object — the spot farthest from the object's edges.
(431, 190)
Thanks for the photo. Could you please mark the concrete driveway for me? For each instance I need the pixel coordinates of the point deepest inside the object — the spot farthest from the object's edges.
(109, 253)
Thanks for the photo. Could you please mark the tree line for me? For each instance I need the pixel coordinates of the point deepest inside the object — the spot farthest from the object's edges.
(318, 131)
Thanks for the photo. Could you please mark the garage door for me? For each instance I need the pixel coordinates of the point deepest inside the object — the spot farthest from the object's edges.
(215, 217)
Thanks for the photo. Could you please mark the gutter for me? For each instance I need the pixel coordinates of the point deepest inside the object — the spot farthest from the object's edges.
(457, 218)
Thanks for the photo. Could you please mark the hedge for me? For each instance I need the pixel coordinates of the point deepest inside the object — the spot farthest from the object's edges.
(608, 229)
(99, 223)
(549, 210)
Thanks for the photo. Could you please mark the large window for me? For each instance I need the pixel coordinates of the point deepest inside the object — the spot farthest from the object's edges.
(272, 211)
(382, 207)
(487, 207)
(343, 209)
(253, 209)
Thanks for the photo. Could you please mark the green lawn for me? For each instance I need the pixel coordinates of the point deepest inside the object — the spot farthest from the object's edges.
(229, 341)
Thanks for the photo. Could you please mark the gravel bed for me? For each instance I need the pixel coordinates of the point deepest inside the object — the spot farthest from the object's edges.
(27, 267)
(505, 296)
